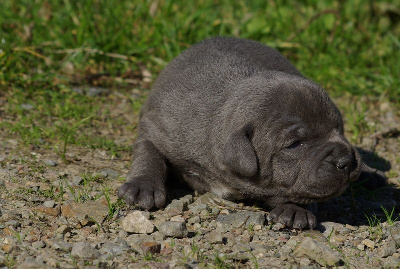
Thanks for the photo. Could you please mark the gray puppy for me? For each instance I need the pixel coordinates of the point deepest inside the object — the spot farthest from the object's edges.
(236, 118)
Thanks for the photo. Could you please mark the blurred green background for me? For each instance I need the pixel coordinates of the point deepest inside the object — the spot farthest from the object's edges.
(47, 47)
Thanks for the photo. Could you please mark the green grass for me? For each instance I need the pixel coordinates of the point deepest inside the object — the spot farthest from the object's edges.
(47, 47)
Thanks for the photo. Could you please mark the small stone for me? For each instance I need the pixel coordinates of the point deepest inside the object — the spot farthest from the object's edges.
(7, 248)
(96, 91)
(257, 227)
(173, 229)
(32, 264)
(388, 249)
(278, 226)
(27, 106)
(158, 265)
(150, 247)
(49, 204)
(96, 210)
(178, 218)
(330, 228)
(76, 180)
(110, 173)
(55, 211)
(304, 262)
(196, 226)
(84, 250)
(59, 244)
(393, 233)
(166, 250)
(197, 208)
(135, 241)
(176, 207)
(318, 251)
(361, 247)
(290, 246)
(215, 237)
(109, 249)
(215, 211)
(195, 219)
(63, 229)
(50, 162)
(224, 212)
(137, 222)
(211, 199)
(369, 243)
(246, 237)
(38, 244)
(243, 218)
(391, 262)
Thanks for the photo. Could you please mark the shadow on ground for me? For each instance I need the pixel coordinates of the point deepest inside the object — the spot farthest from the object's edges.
(365, 200)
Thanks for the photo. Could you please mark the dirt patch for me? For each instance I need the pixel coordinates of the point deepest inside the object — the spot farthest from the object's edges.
(66, 214)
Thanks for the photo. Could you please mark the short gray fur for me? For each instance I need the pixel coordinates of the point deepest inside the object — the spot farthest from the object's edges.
(236, 118)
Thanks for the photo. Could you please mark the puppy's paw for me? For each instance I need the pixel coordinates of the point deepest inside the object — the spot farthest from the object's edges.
(293, 216)
(145, 193)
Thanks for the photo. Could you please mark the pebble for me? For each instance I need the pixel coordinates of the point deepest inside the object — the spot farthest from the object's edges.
(173, 229)
(176, 207)
(59, 244)
(135, 240)
(393, 234)
(369, 243)
(137, 222)
(50, 211)
(50, 162)
(76, 180)
(317, 251)
(96, 91)
(32, 264)
(330, 228)
(304, 262)
(38, 244)
(178, 218)
(49, 203)
(195, 219)
(96, 210)
(27, 106)
(150, 247)
(63, 229)
(110, 173)
(243, 218)
(110, 249)
(198, 208)
(84, 250)
(215, 237)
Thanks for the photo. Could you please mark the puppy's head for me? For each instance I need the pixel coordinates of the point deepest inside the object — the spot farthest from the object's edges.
(291, 143)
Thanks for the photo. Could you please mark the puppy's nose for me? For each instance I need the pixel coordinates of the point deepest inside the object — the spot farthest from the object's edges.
(345, 162)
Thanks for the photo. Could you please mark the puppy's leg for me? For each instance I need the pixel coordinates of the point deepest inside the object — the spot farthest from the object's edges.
(293, 216)
(146, 179)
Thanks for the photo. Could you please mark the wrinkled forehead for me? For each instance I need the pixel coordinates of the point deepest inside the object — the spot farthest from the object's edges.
(305, 105)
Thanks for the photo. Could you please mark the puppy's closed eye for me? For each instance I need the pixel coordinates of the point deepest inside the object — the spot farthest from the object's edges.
(295, 144)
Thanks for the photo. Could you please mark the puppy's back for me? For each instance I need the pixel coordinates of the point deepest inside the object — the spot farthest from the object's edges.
(190, 91)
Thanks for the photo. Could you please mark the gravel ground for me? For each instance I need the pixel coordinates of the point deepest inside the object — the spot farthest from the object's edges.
(66, 215)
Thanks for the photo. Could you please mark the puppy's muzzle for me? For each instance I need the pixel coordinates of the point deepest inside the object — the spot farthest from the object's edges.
(343, 158)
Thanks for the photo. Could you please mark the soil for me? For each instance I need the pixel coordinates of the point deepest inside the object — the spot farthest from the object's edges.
(56, 214)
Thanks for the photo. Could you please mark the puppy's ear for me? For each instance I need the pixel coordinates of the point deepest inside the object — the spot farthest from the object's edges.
(238, 153)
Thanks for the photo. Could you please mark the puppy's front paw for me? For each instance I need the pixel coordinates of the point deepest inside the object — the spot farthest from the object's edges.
(293, 216)
(145, 193)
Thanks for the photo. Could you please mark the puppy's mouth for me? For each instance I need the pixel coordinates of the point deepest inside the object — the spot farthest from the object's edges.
(325, 182)
(313, 197)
